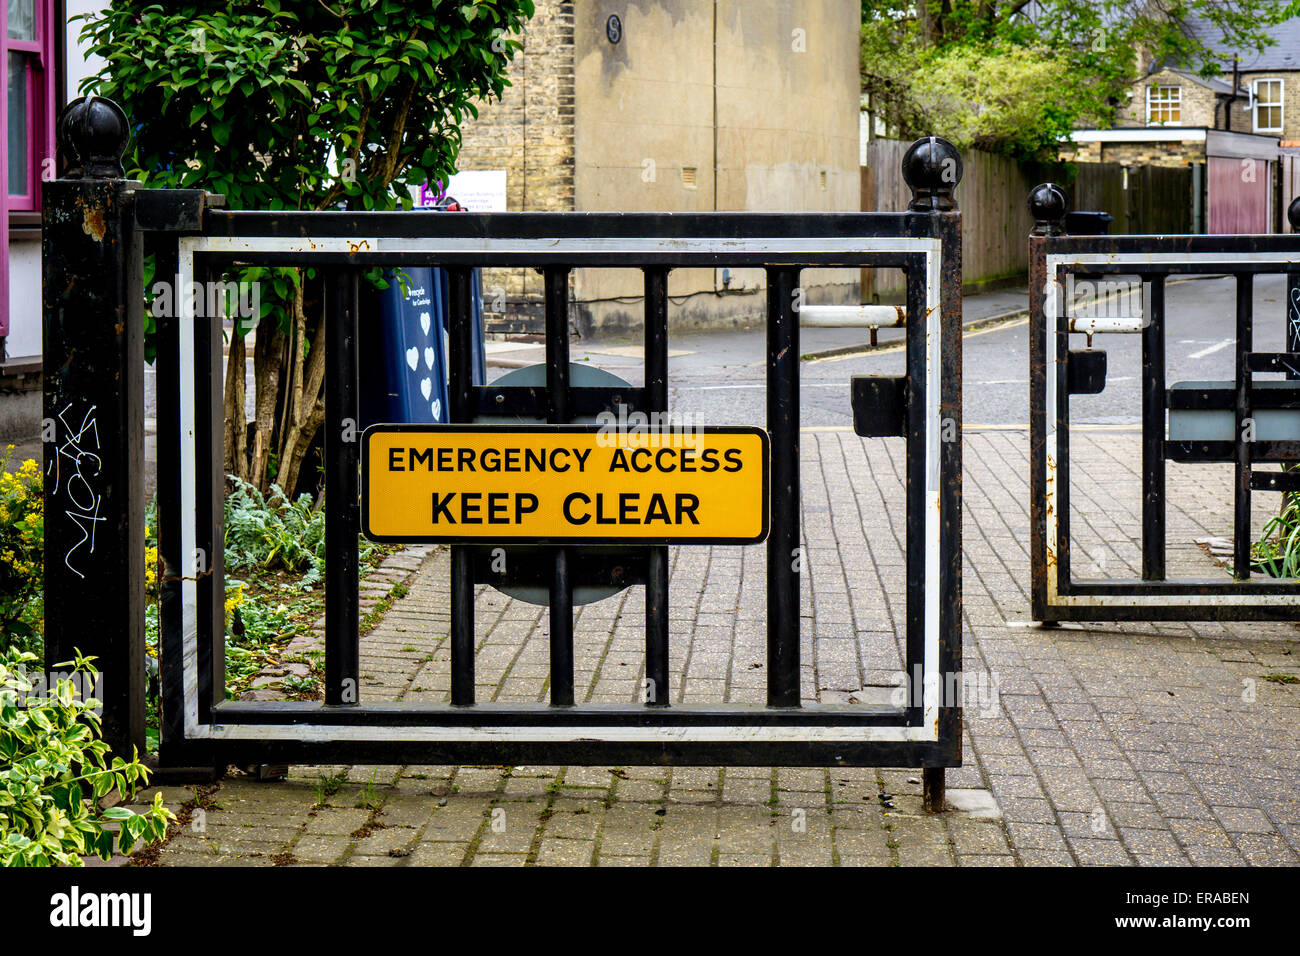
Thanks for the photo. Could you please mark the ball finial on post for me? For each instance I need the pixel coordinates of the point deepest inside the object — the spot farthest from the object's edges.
(92, 136)
(1047, 206)
(1293, 214)
(932, 169)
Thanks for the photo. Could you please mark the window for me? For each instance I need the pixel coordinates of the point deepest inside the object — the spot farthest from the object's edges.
(24, 71)
(27, 29)
(1164, 105)
(1267, 97)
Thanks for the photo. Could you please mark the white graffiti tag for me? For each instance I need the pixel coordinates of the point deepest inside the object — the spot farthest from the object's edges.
(1293, 318)
(78, 458)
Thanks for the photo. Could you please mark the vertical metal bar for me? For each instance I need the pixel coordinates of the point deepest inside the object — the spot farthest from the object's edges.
(1047, 205)
(1059, 326)
(94, 463)
(171, 650)
(460, 373)
(783, 541)
(1040, 327)
(933, 789)
(557, 413)
(1241, 540)
(1153, 434)
(657, 690)
(557, 345)
(342, 506)
(950, 491)
(561, 632)
(1293, 316)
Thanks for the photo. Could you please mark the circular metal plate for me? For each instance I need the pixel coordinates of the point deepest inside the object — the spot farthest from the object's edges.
(581, 375)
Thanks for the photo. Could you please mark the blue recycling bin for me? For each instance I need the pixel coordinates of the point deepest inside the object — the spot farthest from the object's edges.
(403, 350)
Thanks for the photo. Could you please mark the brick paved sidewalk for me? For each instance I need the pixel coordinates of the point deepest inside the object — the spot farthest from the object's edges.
(1103, 744)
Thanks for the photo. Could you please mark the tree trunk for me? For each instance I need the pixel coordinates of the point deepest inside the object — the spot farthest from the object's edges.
(268, 361)
(236, 431)
(305, 405)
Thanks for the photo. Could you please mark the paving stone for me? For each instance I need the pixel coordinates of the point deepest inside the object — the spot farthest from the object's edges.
(1109, 744)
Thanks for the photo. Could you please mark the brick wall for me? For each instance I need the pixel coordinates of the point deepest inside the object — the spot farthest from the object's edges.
(529, 134)
(1135, 154)
(1198, 102)
(1290, 104)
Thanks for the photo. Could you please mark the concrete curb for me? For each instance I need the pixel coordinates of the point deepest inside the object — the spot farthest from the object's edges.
(967, 325)
(970, 325)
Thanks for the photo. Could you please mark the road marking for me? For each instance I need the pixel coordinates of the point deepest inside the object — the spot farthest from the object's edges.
(1218, 346)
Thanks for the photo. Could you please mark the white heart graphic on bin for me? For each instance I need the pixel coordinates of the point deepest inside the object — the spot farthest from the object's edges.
(437, 410)
(426, 388)
(413, 358)
(424, 322)
(428, 359)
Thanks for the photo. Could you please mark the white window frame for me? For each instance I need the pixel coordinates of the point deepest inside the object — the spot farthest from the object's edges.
(1173, 102)
(1256, 103)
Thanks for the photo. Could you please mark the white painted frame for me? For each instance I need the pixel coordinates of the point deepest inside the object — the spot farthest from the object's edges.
(541, 249)
(1167, 103)
(1256, 103)
(1207, 261)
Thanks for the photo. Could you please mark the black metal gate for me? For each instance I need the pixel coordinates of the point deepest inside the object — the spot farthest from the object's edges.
(89, 292)
(1178, 422)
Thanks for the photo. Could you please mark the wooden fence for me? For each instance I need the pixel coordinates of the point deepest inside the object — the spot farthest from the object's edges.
(995, 220)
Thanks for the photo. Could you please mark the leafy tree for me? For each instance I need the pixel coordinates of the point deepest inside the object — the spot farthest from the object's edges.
(297, 104)
(1015, 75)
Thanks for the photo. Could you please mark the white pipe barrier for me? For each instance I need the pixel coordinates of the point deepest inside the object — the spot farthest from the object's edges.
(852, 316)
(1095, 324)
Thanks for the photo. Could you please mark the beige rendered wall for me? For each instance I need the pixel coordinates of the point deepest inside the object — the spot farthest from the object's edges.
(657, 123)
(660, 124)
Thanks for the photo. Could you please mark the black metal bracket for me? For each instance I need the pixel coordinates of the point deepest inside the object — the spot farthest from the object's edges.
(1086, 371)
(880, 406)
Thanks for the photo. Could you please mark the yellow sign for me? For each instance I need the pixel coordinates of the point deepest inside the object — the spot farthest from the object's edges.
(559, 484)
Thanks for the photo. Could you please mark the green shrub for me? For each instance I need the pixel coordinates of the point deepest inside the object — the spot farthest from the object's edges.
(22, 557)
(1277, 552)
(54, 770)
(268, 532)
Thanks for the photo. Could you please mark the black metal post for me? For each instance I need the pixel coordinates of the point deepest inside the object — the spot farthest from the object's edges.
(1047, 206)
(656, 398)
(934, 789)
(93, 418)
(460, 373)
(784, 554)
(170, 502)
(932, 168)
(558, 405)
(342, 516)
(1241, 541)
(1153, 434)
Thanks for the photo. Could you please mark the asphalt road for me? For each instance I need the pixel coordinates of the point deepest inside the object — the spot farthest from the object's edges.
(722, 377)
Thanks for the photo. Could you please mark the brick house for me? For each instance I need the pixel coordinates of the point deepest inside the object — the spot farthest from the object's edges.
(1239, 131)
(673, 106)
